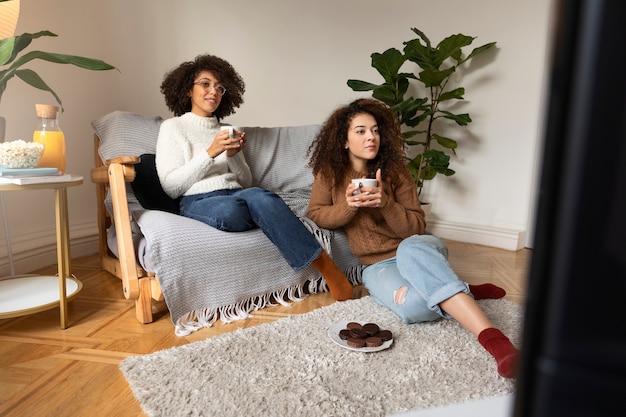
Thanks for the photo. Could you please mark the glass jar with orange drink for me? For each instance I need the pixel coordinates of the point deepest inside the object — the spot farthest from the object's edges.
(49, 133)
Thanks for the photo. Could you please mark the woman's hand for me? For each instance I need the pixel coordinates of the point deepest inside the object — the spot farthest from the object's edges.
(222, 142)
(369, 196)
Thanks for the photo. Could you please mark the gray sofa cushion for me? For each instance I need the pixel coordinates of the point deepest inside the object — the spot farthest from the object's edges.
(124, 133)
(277, 156)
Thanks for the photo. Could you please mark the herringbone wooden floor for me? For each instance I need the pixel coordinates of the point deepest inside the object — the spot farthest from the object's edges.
(46, 371)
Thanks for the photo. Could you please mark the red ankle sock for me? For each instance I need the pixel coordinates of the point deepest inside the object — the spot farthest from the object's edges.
(501, 348)
(483, 291)
(338, 285)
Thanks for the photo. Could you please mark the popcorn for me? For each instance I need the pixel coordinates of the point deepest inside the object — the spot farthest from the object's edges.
(20, 154)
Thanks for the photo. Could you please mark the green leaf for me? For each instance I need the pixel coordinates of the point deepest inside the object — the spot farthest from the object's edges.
(480, 49)
(388, 64)
(407, 135)
(6, 50)
(420, 54)
(10, 47)
(408, 109)
(30, 77)
(454, 94)
(423, 36)
(358, 85)
(446, 142)
(79, 61)
(434, 77)
(451, 47)
(460, 119)
(385, 94)
(437, 157)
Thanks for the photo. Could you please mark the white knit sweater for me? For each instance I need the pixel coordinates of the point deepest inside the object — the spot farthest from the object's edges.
(184, 166)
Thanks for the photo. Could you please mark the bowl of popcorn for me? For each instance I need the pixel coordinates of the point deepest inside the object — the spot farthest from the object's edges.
(20, 154)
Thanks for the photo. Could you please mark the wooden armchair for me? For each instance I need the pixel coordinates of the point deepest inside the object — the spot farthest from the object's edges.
(138, 285)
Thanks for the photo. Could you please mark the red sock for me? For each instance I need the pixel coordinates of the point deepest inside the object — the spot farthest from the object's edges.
(483, 291)
(501, 348)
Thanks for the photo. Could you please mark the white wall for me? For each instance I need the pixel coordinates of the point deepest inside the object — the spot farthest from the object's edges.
(295, 57)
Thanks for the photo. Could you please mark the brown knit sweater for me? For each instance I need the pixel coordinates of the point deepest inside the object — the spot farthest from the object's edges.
(374, 233)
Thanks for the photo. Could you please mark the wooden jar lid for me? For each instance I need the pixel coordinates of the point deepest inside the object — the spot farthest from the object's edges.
(46, 111)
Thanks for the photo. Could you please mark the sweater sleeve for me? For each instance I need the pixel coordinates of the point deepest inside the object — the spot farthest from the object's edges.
(177, 166)
(238, 165)
(402, 211)
(326, 209)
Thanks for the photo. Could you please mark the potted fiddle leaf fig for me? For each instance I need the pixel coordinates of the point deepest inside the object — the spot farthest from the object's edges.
(422, 117)
(12, 66)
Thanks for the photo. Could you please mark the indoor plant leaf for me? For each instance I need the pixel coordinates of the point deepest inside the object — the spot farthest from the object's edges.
(435, 77)
(457, 93)
(392, 95)
(452, 47)
(30, 77)
(358, 85)
(460, 119)
(388, 64)
(7, 46)
(446, 142)
(480, 49)
(11, 47)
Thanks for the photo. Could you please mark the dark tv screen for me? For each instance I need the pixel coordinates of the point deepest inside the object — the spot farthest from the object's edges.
(573, 359)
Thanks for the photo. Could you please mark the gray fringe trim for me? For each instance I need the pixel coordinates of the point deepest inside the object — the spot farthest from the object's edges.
(206, 317)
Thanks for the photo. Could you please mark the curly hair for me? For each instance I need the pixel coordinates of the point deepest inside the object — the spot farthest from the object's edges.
(178, 82)
(328, 155)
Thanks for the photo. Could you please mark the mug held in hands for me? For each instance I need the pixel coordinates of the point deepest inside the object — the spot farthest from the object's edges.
(363, 182)
(232, 132)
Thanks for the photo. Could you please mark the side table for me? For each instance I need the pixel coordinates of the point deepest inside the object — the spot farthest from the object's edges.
(26, 294)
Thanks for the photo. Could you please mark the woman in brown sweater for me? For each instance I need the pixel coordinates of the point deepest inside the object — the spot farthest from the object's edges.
(406, 269)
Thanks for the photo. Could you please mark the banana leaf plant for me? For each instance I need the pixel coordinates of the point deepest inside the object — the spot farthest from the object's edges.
(421, 116)
(11, 65)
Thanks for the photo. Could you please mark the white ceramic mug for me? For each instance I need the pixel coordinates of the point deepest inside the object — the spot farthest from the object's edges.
(231, 132)
(363, 182)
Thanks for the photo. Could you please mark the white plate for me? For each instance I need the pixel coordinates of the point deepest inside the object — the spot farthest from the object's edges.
(335, 328)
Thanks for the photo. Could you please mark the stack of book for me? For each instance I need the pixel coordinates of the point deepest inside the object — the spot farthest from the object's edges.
(24, 176)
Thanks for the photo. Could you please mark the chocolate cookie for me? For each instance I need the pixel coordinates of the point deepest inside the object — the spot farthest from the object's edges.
(358, 333)
(355, 343)
(344, 334)
(371, 328)
(373, 341)
(384, 335)
(353, 325)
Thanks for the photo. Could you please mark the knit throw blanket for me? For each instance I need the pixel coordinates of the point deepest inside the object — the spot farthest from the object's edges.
(203, 281)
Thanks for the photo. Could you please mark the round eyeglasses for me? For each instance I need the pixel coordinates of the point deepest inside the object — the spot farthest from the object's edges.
(220, 89)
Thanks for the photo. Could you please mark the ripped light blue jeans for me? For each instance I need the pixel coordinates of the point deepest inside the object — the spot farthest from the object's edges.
(416, 280)
(240, 210)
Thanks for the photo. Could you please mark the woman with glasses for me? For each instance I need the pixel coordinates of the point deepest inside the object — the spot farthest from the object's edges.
(205, 167)
(407, 269)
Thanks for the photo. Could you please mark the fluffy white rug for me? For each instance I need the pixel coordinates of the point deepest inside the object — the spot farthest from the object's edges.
(292, 368)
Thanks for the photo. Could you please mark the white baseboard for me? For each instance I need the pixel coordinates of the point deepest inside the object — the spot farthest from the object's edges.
(39, 249)
(508, 239)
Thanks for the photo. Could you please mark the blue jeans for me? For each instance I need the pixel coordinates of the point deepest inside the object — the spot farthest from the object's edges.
(416, 280)
(245, 209)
